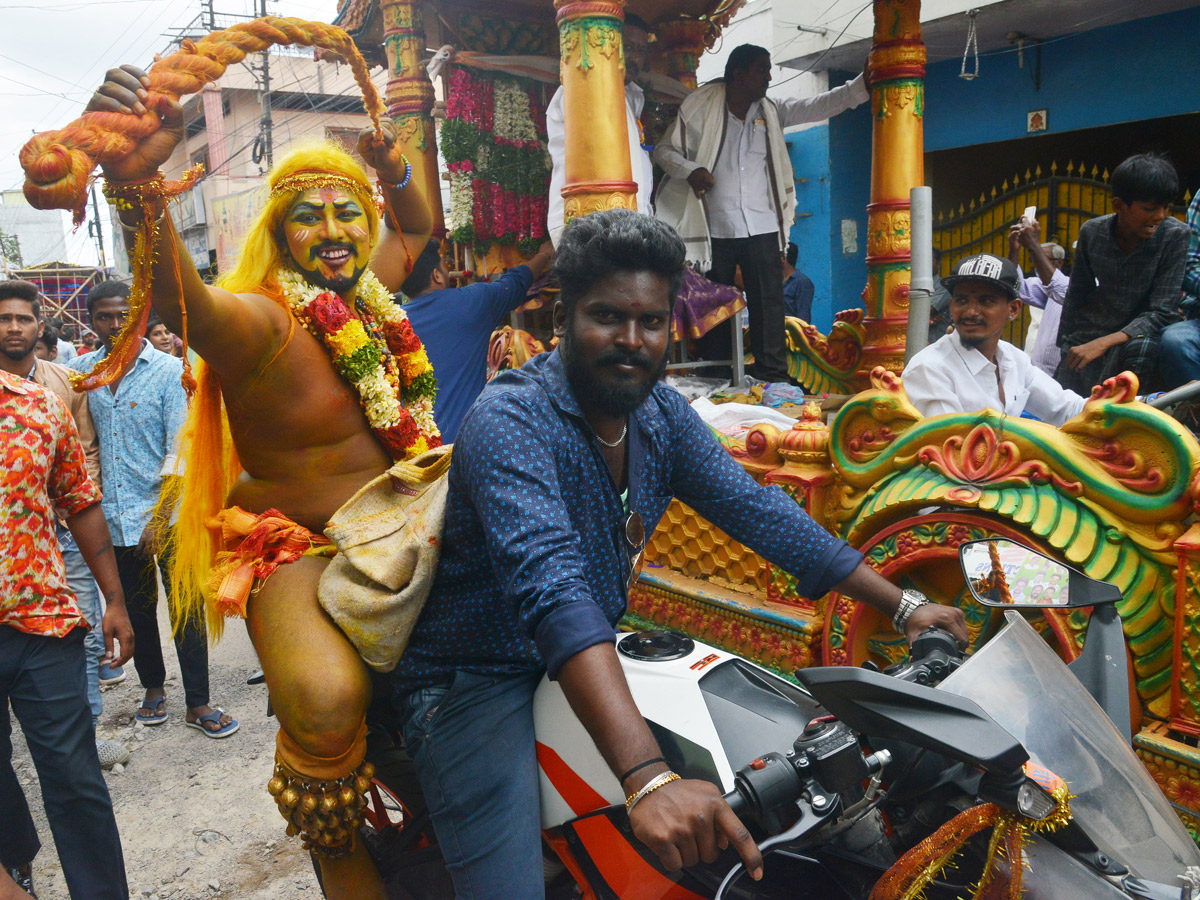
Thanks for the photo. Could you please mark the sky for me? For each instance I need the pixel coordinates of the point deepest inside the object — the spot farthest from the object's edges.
(54, 53)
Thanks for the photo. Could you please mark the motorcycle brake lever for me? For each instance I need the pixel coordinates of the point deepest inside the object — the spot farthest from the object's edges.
(810, 818)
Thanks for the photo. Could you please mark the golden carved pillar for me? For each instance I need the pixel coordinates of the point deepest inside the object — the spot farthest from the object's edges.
(598, 171)
(410, 99)
(897, 70)
(683, 41)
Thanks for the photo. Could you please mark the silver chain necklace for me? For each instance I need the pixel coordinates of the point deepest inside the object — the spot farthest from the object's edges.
(617, 442)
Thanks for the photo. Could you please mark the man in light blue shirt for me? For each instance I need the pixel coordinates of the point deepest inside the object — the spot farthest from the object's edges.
(138, 419)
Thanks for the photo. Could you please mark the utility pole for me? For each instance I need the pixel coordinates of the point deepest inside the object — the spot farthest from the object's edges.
(96, 230)
(265, 125)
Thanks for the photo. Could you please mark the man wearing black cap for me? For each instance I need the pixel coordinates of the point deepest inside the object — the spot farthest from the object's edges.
(971, 368)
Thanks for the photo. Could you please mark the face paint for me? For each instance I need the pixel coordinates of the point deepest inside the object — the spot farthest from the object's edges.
(328, 238)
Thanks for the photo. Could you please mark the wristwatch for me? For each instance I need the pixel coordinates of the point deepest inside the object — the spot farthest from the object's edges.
(909, 601)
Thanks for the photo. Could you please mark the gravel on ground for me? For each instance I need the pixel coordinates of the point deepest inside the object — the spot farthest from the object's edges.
(195, 818)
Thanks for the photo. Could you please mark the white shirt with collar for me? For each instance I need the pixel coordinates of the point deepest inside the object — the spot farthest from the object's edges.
(639, 159)
(741, 201)
(947, 377)
(1044, 350)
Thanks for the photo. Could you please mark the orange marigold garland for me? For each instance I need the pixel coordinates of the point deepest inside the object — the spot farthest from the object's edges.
(908, 878)
(374, 348)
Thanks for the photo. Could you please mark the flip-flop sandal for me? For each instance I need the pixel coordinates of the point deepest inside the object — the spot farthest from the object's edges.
(156, 705)
(224, 732)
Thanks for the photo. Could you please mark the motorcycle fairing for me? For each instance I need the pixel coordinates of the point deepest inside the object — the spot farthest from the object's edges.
(617, 866)
(688, 707)
(877, 704)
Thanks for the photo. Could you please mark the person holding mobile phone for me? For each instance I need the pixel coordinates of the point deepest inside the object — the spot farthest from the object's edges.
(1044, 290)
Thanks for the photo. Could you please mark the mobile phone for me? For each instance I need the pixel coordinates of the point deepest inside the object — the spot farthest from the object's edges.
(1030, 214)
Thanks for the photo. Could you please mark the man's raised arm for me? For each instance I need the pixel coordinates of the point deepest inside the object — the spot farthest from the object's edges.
(230, 333)
(409, 219)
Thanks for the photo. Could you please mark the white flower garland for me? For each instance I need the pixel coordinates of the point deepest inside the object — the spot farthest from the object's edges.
(511, 118)
(380, 400)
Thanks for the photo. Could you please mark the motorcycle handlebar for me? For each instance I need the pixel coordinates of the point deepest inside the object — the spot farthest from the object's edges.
(737, 803)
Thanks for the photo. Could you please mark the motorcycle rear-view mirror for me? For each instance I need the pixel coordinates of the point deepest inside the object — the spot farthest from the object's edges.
(1000, 572)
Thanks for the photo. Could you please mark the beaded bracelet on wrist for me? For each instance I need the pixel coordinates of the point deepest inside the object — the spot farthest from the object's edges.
(407, 177)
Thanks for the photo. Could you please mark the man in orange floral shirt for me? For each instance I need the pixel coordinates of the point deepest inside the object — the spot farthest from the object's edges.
(42, 672)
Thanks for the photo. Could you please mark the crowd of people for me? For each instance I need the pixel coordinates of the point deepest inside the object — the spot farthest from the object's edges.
(318, 366)
(1131, 302)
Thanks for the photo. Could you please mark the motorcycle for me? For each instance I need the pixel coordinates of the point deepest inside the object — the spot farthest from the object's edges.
(847, 779)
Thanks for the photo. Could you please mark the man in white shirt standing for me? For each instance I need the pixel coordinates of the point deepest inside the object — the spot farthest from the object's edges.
(635, 39)
(729, 190)
(971, 368)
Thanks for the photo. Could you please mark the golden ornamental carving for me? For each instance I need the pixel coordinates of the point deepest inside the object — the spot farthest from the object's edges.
(902, 54)
(583, 204)
(897, 20)
(591, 34)
(889, 232)
(808, 441)
(893, 98)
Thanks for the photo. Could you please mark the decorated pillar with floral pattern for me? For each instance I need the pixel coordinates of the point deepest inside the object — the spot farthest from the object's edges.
(897, 77)
(410, 98)
(598, 170)
(683, 41)
(1185, 683)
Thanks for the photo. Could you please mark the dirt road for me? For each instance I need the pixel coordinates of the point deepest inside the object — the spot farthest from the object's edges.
(194, 814)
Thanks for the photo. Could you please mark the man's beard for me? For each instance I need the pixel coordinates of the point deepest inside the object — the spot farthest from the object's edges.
(617, 399)
(336, 283)
(18, 355)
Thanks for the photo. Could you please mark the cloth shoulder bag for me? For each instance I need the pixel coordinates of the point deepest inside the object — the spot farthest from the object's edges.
(389, 539)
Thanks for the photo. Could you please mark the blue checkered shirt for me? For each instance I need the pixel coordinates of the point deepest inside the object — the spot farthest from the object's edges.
(1190, 304)
(534, 561)
(137, 427)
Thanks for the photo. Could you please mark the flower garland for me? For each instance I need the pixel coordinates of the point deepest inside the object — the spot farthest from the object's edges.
(374, 348)
(494, 143)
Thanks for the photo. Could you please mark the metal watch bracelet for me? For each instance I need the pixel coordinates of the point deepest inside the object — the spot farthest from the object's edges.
(909, 601)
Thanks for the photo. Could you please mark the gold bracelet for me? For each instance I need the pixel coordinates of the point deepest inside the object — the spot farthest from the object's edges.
(653, 785)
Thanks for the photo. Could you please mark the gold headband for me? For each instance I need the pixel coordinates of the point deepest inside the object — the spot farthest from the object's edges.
(307, 179)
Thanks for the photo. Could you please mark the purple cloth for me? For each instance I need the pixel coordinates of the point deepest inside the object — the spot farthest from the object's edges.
(700, 307)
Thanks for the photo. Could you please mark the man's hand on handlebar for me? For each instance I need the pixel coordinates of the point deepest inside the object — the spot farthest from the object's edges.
(934, 615)
(688, 821)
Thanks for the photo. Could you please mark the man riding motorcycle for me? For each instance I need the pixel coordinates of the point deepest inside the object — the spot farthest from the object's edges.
(560, 470)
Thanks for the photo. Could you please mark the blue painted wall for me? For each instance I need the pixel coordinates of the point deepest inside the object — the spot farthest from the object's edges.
(809, 152)
(850, 154)
(1137, 70)
(838, 187)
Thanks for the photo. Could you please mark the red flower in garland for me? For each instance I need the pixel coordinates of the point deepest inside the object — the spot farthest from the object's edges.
(328, 312)
(400, 337)
(483, 229)
(399, 437)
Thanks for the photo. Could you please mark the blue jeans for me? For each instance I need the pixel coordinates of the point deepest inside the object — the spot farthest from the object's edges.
(473, 748)
(1179, 353)
(42, 677)
(80, 580)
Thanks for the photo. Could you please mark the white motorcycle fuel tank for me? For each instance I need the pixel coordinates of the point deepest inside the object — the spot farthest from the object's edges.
(711, 712)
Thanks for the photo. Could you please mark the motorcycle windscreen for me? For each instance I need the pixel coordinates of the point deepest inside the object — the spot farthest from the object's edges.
(1028, 690)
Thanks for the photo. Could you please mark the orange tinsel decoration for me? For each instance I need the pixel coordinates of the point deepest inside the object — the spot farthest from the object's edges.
(58, 164)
